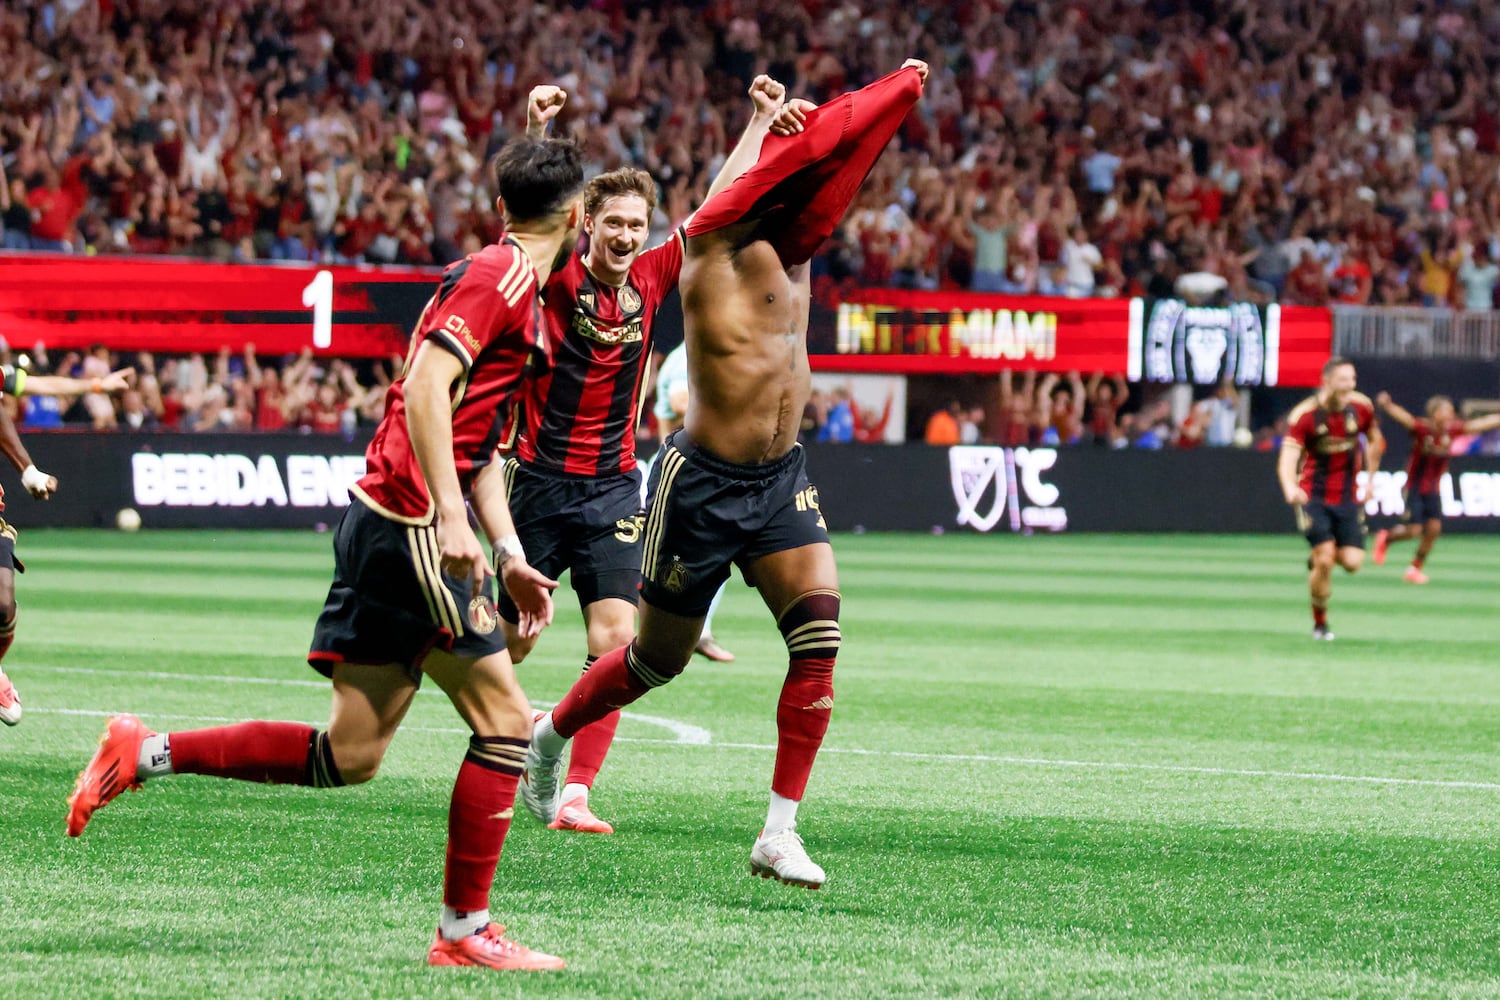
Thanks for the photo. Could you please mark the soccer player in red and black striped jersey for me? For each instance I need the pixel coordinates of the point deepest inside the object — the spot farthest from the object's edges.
(1431, 447)
(574, 486)
(1332, 436)
(412, 589)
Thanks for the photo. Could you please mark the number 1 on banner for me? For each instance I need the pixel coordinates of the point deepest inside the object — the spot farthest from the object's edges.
(318, 296)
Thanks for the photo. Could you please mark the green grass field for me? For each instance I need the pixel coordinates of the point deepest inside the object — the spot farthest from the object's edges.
(1072, 766)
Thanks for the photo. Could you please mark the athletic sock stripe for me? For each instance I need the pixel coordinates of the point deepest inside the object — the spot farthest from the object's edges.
(820, 625)
(833, 638)
(498, 753)
(647, 676)
(656, 523)
(419, 567)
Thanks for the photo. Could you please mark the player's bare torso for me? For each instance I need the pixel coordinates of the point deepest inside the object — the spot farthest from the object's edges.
(746, 324)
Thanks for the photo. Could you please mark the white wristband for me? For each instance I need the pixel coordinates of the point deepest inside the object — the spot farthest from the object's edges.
(508, 547)
(33, 478)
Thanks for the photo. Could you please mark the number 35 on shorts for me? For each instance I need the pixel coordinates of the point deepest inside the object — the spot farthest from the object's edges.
(628, 529)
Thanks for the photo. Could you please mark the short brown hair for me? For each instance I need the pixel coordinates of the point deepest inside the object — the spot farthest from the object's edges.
(615, 183)
(1435, 403)
(1335, 362)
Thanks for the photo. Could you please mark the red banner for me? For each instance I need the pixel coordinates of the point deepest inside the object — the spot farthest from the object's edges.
(158, 304)
(891, 330)
(895, 331)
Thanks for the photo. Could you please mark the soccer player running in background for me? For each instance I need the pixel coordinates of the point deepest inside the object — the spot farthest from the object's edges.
(672, 391)
(1431, 441)
(1330, 437)
(412, 590)
(16, 382)
(575, 491)
(730, 487)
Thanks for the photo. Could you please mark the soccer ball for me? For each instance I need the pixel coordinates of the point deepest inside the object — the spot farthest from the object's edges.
(128, 519)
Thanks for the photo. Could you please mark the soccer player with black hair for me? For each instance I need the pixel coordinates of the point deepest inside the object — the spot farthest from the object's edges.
(412, 593)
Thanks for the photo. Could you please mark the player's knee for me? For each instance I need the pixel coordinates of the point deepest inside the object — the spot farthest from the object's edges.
(359, 763)
(1322, 560)
(810, 626)
(612, 637)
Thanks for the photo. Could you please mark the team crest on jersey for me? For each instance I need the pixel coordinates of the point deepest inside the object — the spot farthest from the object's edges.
(676, 580)
(1351, 423)
(630, 300)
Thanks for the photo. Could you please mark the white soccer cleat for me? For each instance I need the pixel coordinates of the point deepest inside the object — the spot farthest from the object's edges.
(780, 855)
(10, 702)
(538, 785)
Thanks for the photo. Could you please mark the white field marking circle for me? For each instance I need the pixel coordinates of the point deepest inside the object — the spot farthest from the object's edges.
(683, 732)
(697, 736)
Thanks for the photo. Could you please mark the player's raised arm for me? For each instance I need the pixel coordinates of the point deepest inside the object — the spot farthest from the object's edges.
(767, 96)
(1395, 410)
(1481, 425)
(531, 591)
(61, 385)
(543, 105)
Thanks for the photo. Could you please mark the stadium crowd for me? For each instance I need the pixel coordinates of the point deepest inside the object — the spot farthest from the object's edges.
(1282, 149)
(1315, 152)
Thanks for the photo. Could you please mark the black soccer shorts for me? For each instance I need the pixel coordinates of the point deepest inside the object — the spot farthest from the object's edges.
(390, 601)
(1342, 523)
(589, 526)
(704, 514)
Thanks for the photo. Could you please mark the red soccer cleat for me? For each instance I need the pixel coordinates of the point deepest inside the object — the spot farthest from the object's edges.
(110, 772)
(1414, 575)
(491, 949)
(1382, 542)
(576, 815)
(10, 702)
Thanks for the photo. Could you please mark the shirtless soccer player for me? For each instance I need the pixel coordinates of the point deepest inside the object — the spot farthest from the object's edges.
(730, 487)
(411, 595)
(1319, 470)
(1431, 440)
(575, 490)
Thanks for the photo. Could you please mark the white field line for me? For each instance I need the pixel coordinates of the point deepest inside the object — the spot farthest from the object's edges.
(690, 735)
(683, 732)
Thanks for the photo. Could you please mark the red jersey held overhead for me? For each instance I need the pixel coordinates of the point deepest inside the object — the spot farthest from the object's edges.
(486, 312)
(1331, 451)
(1430, 450)
(579, 418)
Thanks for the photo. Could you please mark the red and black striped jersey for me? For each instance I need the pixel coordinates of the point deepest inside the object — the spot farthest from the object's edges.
(486, 312)
(1331, 452)
(1430, 450)
(579, 417)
